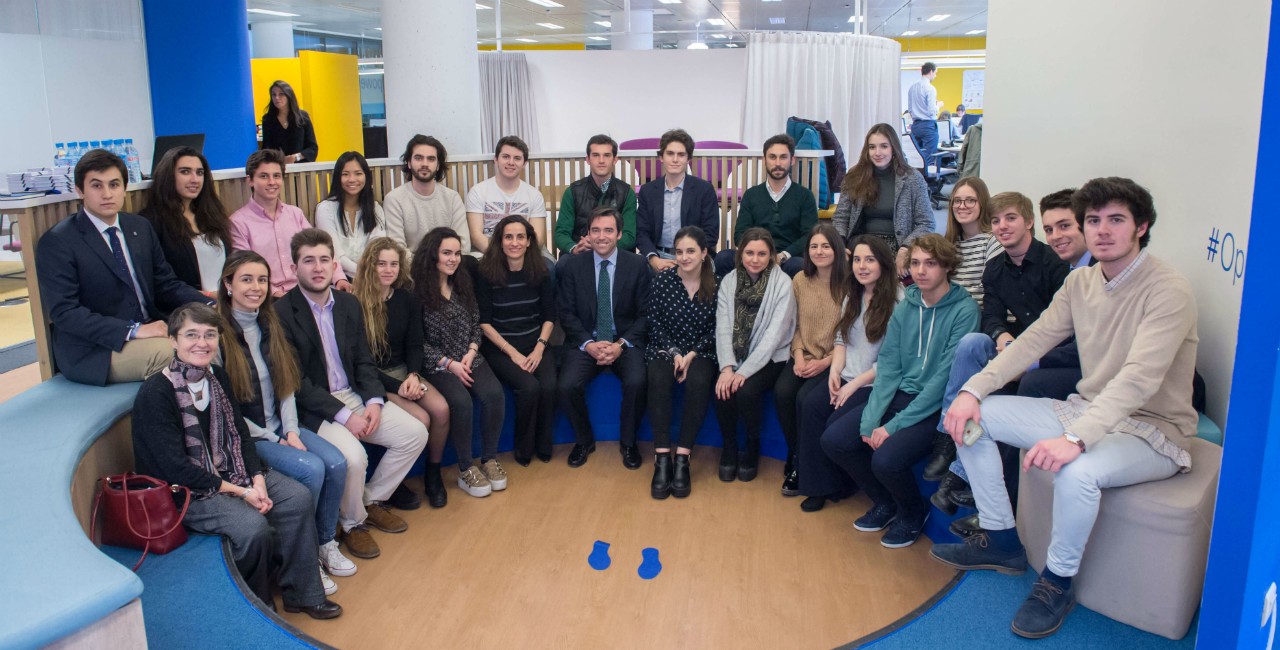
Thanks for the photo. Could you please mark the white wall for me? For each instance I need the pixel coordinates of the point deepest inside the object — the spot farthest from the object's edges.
(637, 94)
(1159, 91)
(83, 75)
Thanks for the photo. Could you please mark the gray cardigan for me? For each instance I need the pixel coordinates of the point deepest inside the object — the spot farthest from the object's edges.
(912, 212)
(774, 327)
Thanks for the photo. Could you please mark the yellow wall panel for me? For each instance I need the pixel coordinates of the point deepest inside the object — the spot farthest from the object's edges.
(950, 86)
(942, 44)
(266, 72)
(332, 83)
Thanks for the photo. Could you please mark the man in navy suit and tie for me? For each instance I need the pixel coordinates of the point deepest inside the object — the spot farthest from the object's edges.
(105, 284)
(603, 301)
(673, 201)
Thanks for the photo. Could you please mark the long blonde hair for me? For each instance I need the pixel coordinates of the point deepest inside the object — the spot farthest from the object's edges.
(368, 290)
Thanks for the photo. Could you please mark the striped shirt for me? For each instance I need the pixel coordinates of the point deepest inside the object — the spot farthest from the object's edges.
(974, 253)
(516, 310)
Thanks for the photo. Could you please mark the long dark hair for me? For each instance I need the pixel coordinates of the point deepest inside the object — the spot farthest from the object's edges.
(426, 277)
(368, 211)
(295, 112)
(493, 266)
(860, 183)
(286, 377)
(839, 271)
(164, 204)
(884, 295)
(707, 282)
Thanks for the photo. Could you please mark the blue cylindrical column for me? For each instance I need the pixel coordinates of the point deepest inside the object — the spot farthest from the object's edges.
(198, 60)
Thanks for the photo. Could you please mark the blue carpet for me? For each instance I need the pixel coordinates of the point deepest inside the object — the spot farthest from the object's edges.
(979, 610)
(190, 600)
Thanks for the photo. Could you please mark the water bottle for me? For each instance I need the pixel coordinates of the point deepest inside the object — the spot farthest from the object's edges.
(59, 154)
(132, 161)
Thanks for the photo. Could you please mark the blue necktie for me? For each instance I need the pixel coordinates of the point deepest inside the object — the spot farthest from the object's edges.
(604, 305)
(118, 252)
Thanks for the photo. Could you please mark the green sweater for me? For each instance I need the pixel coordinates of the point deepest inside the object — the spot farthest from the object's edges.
(562, 237)
(788, 220)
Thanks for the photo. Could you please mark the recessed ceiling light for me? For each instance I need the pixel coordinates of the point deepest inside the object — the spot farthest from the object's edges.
(268, 12)
(719, 22)
(855, 19)
(378, 28)
(480, 6)
(770, 0)
(549, 25)
(719, 36)
(604, 23)
(670, 2)
(911, 32)
(735, 44)
(547, 3)
(974, 32)
(359, 10)
(777, 20)
(937, 18)
(663, 12)
(526, 40)
(697, 46)
(597, 38)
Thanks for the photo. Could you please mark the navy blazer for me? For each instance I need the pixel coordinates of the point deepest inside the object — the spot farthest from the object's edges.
(315, 403)
(90, 302)
(698, 207)
(576, 294)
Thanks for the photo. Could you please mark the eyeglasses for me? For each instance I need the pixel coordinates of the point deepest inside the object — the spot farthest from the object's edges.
(967, 201)
(193, 337)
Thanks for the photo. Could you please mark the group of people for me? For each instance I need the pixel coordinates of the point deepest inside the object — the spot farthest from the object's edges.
(271, 349)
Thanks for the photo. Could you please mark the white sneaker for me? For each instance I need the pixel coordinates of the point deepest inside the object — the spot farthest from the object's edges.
(493, 471)
(330, 587)
(474, 483)
(334, 561)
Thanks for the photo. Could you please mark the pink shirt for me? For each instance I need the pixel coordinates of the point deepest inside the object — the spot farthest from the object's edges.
(252, 229)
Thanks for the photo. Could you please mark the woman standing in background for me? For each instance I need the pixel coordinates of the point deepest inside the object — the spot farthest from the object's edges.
(285, 126)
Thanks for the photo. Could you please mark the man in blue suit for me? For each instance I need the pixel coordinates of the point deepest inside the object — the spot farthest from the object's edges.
(105, 284)
(667, 204)
(603, 300)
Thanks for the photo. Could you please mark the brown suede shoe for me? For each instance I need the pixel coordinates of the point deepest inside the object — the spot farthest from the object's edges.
(360, 543)
(383, 519)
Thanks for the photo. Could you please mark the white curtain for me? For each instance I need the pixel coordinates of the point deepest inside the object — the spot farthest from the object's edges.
(506, 100)
(849, 79)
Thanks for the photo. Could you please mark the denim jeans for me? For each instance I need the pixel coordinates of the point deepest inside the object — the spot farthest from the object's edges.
(321, 469)
(925, 135)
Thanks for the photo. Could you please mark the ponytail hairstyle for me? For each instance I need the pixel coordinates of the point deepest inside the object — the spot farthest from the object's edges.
(707, 285)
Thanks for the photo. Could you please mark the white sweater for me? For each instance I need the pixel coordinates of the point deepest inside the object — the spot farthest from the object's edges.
(770, 336)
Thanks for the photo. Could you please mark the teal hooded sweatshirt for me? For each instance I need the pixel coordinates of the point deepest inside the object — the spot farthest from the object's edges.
(916, 356)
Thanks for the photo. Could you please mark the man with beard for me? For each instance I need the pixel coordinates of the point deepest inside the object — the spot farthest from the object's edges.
(423, 203)
(787, 210)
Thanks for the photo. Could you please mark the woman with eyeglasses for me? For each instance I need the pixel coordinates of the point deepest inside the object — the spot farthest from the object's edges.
(884, 196)
(969, 230)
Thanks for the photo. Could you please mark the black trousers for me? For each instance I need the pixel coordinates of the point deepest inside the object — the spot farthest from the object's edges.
(579, 369)
(699, 384)
(747, 404)
(1054, 383)
(484, 389)
(535, 394)
(819, 475)
(884, 473)
(788, 393)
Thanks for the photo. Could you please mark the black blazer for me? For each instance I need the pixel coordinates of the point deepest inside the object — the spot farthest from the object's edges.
(698, 207)
(297, 138)
(315, 403)
(90, 303)
(181, 257)
(576, 293)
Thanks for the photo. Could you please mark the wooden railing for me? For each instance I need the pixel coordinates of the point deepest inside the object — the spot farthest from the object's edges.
(731, 171)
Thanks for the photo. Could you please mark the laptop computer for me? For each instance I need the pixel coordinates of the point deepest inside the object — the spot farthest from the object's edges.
(166, 142)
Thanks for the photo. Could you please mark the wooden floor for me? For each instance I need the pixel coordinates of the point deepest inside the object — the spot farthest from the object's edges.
(743, 567)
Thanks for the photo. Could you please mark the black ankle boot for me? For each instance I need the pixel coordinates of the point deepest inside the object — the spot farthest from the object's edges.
(942, 498)
(729, 461)
(661, 487)
(749, 460)
(681, 485)
(944, 451)
(436, 496)
(791, 480)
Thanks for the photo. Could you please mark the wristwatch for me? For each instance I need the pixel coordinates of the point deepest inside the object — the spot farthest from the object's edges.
(1075, 440)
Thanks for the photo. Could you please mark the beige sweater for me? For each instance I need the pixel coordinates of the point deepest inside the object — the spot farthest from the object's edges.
(410, 216)
(1137, 352)
(816, 318)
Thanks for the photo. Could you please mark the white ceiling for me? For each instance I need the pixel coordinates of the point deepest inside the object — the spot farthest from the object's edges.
(885, 17)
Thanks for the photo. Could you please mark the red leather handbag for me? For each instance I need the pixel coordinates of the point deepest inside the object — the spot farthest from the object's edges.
(138, 512)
